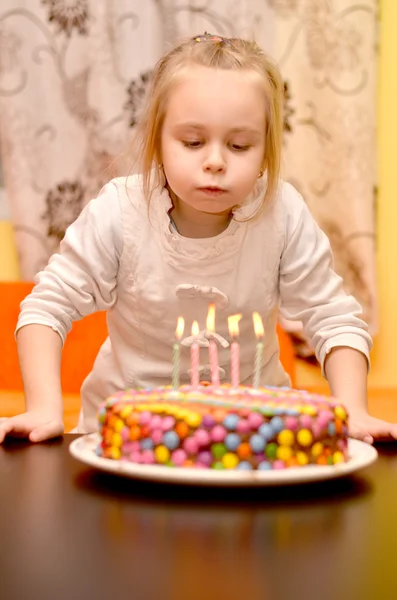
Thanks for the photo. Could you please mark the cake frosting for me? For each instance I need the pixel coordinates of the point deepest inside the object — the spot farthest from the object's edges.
(223, 427)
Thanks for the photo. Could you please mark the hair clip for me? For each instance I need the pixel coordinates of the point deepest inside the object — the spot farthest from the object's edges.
(213, 38)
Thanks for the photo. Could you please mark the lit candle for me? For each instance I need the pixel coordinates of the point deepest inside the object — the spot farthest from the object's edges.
(233, 322)
(176, 352)
(213, 348)
(259, 332)
(195, 356)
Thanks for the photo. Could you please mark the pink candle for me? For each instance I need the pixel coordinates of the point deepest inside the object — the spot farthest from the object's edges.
(214, 365)
(213, 348)
(195, 357)
(233, 322)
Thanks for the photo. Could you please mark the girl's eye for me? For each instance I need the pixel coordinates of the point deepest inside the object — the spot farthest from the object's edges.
(192, 144)
(239, 148)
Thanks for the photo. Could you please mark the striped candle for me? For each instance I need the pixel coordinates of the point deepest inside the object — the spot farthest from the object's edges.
(176, 352)
(195, 357)
(259, 332)
(233, 322)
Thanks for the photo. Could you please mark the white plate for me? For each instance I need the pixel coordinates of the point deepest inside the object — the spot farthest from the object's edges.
(361, 455)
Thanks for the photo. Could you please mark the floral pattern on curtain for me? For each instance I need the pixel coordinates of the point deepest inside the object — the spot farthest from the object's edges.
(73, 76)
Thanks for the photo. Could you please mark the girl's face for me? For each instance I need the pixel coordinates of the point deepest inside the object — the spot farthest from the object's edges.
(213, 138)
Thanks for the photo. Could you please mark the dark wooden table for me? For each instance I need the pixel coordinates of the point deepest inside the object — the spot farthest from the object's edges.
(69, 532)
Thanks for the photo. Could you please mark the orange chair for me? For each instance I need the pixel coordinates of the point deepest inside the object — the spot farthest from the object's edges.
(81, 346)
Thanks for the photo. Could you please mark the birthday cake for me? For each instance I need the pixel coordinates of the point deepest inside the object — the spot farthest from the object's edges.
(223, 427)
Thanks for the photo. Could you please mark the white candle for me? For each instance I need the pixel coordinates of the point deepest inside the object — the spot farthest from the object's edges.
(176, 352)
(195, 357)
(233, 322)
(259, 332)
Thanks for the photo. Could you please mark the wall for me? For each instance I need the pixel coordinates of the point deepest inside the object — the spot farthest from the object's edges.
(384, 368)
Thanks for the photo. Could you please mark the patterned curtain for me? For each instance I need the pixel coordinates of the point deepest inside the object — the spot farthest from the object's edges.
(73, 75)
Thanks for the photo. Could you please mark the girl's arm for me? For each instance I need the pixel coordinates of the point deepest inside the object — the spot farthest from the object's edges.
(79, 280)
(346, 371)
(39, 351)
(311, 292)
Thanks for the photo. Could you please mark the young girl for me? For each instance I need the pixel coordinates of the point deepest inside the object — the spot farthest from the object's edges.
(206, 220)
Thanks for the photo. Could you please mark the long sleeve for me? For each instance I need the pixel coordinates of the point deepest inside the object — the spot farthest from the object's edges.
(311, 291)
(81, 278)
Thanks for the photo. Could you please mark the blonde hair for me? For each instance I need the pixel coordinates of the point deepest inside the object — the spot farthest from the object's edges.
(219, 53)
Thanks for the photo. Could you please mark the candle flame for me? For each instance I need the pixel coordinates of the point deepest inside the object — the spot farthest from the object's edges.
(211, 318)
(258, 325)
(180, 328)
(195, 328)
(233, 322)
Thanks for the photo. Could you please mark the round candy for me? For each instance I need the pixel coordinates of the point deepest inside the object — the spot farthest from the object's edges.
(157, 436)
(244, 450)
(279, 464)
(317, 449)
(232, 441)
(243, 426)
(132, 419)
(340, 412)
(257, 443)
(218, 465)
(277, 424)
(114, 452)
(162, 454)
(182, 429)
(324, 417)
(255, 420)
(218, 433)
(271, 450)
(306, 421)
(190, 445)
(147, 444)
(205, 457)
(171, 440)
(331, 429)
(230, 460)
(117, 440)
(118, 426)
(286, 438)
(302, 458)
(244, 466)
(338, 457)
(284, 453)
(167, 423)
(291, 423)
(264, 466)
(125, 433)
(231, 421)
(304, 437)
(145, 417)
(125, 412)
(266, 431)
(193, 419)
(148, 457)
(178, 457)
(202, 437)
(309, 409)
(155, 422)
(135, 457)
(218, 450)
(208, 421)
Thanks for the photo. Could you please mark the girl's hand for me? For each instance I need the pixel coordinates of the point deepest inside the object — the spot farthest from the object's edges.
(35, 425)
(370, 429)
